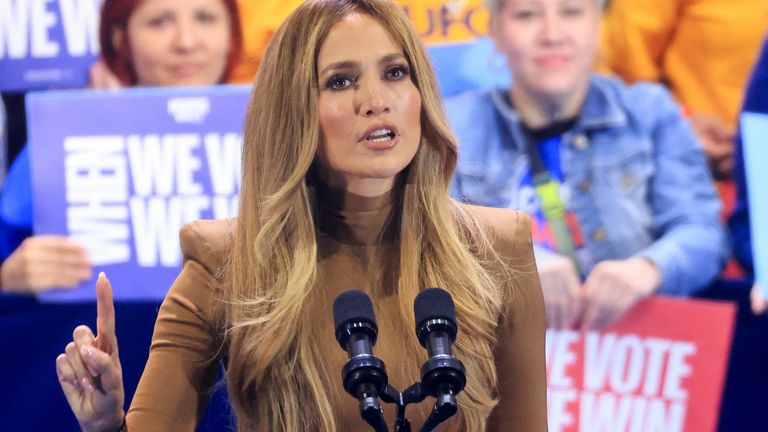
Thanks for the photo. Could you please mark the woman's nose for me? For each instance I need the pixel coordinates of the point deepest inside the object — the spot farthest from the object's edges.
(187, 37)
(551, 28)
(373, 98)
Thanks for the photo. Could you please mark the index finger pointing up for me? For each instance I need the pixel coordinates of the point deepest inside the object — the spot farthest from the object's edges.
(105, 311)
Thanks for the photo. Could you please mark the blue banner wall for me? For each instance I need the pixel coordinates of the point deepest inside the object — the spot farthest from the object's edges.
(121, 172)
(47, 43)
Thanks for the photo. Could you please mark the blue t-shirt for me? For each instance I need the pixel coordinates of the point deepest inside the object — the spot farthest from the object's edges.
(16, 205)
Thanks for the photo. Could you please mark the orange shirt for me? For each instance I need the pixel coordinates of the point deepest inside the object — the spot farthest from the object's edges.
(702, 49)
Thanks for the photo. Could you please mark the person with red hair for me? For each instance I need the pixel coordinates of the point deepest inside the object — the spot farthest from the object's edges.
(144, 43)
(167, 43)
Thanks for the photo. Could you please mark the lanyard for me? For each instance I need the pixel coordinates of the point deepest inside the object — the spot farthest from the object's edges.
(547, 189)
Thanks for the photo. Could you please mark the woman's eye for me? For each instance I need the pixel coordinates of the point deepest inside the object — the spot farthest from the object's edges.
(159, 21)
(339, 82)
(206, 17)
(573, 11)
(523, 15)
(397, 73)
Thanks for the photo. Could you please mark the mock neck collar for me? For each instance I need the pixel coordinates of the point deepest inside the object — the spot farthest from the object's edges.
(354, 219)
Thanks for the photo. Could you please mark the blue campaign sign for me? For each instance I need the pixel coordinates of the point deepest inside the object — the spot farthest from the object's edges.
(754, 133)
(47, 44)
(121, 172)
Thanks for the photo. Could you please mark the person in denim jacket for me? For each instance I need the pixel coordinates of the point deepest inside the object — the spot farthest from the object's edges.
(640, 208)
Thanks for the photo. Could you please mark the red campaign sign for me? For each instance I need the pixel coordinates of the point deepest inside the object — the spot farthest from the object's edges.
(660, 369)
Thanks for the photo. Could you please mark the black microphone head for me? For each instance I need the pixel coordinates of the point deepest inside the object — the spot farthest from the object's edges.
(433, 309)
(353, 311)
(434, 303)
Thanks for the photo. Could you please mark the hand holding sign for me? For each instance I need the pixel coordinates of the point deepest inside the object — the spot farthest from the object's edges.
(561, 288)
(44, 262)
(89, 371)
(613, 287)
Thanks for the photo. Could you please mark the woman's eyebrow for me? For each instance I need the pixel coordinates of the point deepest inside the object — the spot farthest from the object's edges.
(391, 57)
(350, 64)
(346, 64)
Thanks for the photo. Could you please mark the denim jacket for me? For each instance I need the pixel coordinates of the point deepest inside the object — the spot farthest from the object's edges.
(638, 179)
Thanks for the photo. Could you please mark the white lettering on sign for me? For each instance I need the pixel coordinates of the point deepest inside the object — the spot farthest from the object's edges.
(560, 355)
(156, 225)
(560, 409)
(189, 109)
(29, 28)
(96, 194)
(81, 26)
(223, 155)
(167, 174)
(628, 382)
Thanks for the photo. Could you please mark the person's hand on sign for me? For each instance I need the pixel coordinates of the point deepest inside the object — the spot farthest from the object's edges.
(89, 370)
(41, 263)
(561, 287)
(613, 287)
(759, 303)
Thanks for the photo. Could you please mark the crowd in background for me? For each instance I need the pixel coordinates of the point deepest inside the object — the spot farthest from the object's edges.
(638, 135)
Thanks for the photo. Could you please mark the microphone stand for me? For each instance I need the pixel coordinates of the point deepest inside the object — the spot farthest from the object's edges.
(445, 406)
(364, 376)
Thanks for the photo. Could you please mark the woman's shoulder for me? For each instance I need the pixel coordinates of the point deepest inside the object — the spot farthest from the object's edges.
(509, 230)
(510, 235)
(207, 242)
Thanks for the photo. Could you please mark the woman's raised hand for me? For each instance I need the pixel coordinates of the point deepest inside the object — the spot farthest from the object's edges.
(89, 371)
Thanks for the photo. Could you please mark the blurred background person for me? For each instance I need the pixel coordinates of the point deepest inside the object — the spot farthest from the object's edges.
(755, 101)
(143, 43)
(702, 50)
(618, 186)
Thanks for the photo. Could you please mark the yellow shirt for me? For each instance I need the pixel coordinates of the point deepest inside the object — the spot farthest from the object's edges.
(437, 21)
(702, 49)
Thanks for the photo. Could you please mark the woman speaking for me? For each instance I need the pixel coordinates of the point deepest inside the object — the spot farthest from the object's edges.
(347, 160)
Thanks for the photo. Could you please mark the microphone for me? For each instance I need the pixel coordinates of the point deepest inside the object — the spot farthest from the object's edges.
(364, 375)
(442, 375)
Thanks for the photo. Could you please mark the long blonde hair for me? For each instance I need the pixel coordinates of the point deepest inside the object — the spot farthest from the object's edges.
(274, 382)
